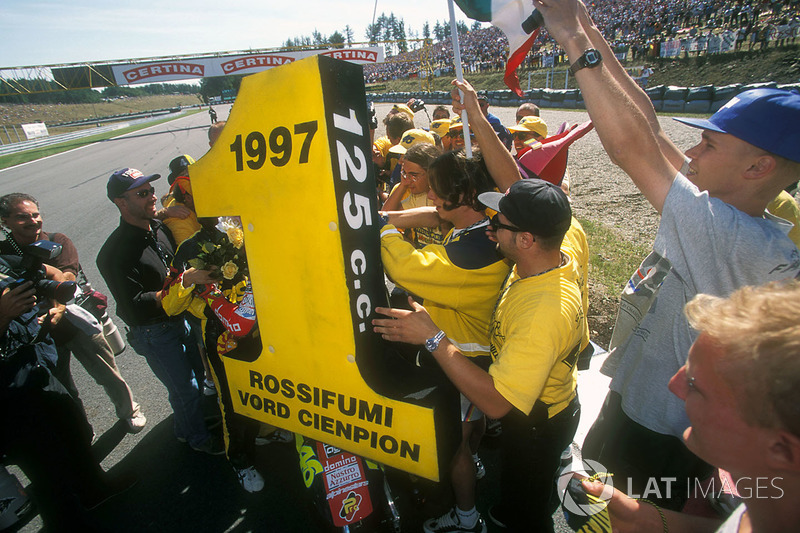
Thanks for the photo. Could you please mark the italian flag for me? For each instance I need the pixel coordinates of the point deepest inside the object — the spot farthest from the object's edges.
(516, 19)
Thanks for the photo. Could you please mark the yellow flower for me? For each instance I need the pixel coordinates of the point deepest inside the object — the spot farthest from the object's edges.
(229, 270)
(236, 236)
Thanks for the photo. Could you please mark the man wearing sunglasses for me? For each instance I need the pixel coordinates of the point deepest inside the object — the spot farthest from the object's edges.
(537, 330)
(134, 262)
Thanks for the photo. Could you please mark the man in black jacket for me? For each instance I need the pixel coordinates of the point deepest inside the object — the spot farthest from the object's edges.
(134, 262)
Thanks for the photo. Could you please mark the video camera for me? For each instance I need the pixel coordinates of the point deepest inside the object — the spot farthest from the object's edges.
(31, 268)
(373, 117)
(417, 105)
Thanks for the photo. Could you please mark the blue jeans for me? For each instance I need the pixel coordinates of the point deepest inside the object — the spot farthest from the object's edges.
(171, 352)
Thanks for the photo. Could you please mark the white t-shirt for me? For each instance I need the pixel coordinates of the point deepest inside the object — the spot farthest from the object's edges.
(703, 245)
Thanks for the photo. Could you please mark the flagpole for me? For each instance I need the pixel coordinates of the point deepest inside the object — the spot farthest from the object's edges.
(459, 76)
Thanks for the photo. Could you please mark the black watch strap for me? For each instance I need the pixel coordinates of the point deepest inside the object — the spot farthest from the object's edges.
(589, 59)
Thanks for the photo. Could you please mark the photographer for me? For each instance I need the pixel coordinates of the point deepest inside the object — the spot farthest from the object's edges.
(22, 224)
(37, 411)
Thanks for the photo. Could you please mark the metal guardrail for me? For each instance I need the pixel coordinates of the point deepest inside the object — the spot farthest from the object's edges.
(113, 118)
(65, 137)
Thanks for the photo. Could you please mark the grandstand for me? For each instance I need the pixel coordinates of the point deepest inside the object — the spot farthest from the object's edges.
(638, 29)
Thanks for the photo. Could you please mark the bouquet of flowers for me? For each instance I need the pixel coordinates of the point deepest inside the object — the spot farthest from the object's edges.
(223, 251)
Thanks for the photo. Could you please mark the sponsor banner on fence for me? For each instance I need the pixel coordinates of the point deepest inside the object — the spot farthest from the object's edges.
(35, 130)
(172, 70)
(670, 48)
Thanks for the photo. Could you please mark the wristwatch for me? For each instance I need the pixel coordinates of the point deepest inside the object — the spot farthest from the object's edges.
(433, 343)
(589, 59)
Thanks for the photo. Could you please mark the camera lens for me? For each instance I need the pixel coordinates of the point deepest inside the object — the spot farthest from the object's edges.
(61, 291)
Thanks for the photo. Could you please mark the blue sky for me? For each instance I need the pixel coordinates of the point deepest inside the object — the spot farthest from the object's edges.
(39, 32)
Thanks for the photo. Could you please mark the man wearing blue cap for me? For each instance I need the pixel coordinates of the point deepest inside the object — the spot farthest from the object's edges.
(714, 237)
(134, 262)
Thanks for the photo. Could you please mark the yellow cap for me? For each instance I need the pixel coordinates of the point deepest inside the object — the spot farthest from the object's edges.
(403, 108)
(410, 138)
(531, 125)
(440, 126)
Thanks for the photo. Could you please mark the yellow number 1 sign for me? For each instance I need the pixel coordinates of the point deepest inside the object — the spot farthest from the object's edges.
(294, 162)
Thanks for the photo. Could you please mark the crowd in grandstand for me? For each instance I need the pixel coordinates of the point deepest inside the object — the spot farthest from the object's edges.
(638, 27)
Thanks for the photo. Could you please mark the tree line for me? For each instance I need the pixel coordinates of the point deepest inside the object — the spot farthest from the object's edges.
(89, 96)
(389, 29)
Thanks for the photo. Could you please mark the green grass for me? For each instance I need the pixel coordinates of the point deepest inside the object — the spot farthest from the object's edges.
(18, 158)
(612, 258)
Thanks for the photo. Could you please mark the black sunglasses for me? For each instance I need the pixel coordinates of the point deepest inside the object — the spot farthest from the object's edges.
(145, 193)
(496, 224)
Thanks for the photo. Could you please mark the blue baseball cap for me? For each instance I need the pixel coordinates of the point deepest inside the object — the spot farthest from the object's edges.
(125, 180)
(765, 118)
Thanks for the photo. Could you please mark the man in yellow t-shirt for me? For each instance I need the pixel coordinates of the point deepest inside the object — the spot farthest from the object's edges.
(537, 331)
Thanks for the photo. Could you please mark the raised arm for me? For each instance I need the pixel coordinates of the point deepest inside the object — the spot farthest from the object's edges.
(624, 123)
(417, 217)
(393, 202)
(628, 84)
(499, 162)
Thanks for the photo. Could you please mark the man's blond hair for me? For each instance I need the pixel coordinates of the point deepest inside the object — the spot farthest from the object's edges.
(758, 329)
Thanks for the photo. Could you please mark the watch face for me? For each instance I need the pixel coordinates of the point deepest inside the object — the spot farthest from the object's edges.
(593, 57)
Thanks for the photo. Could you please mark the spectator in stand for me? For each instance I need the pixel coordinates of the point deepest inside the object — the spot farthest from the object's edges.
(627, 22)
(644, 78)
(784, 32)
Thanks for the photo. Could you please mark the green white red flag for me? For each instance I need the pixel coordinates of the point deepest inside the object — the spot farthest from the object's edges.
(517, 19)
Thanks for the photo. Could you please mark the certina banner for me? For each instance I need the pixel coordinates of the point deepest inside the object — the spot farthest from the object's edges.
(161, 71)
(294, 162)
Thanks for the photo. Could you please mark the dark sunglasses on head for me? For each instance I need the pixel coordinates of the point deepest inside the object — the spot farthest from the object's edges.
(496, 224)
